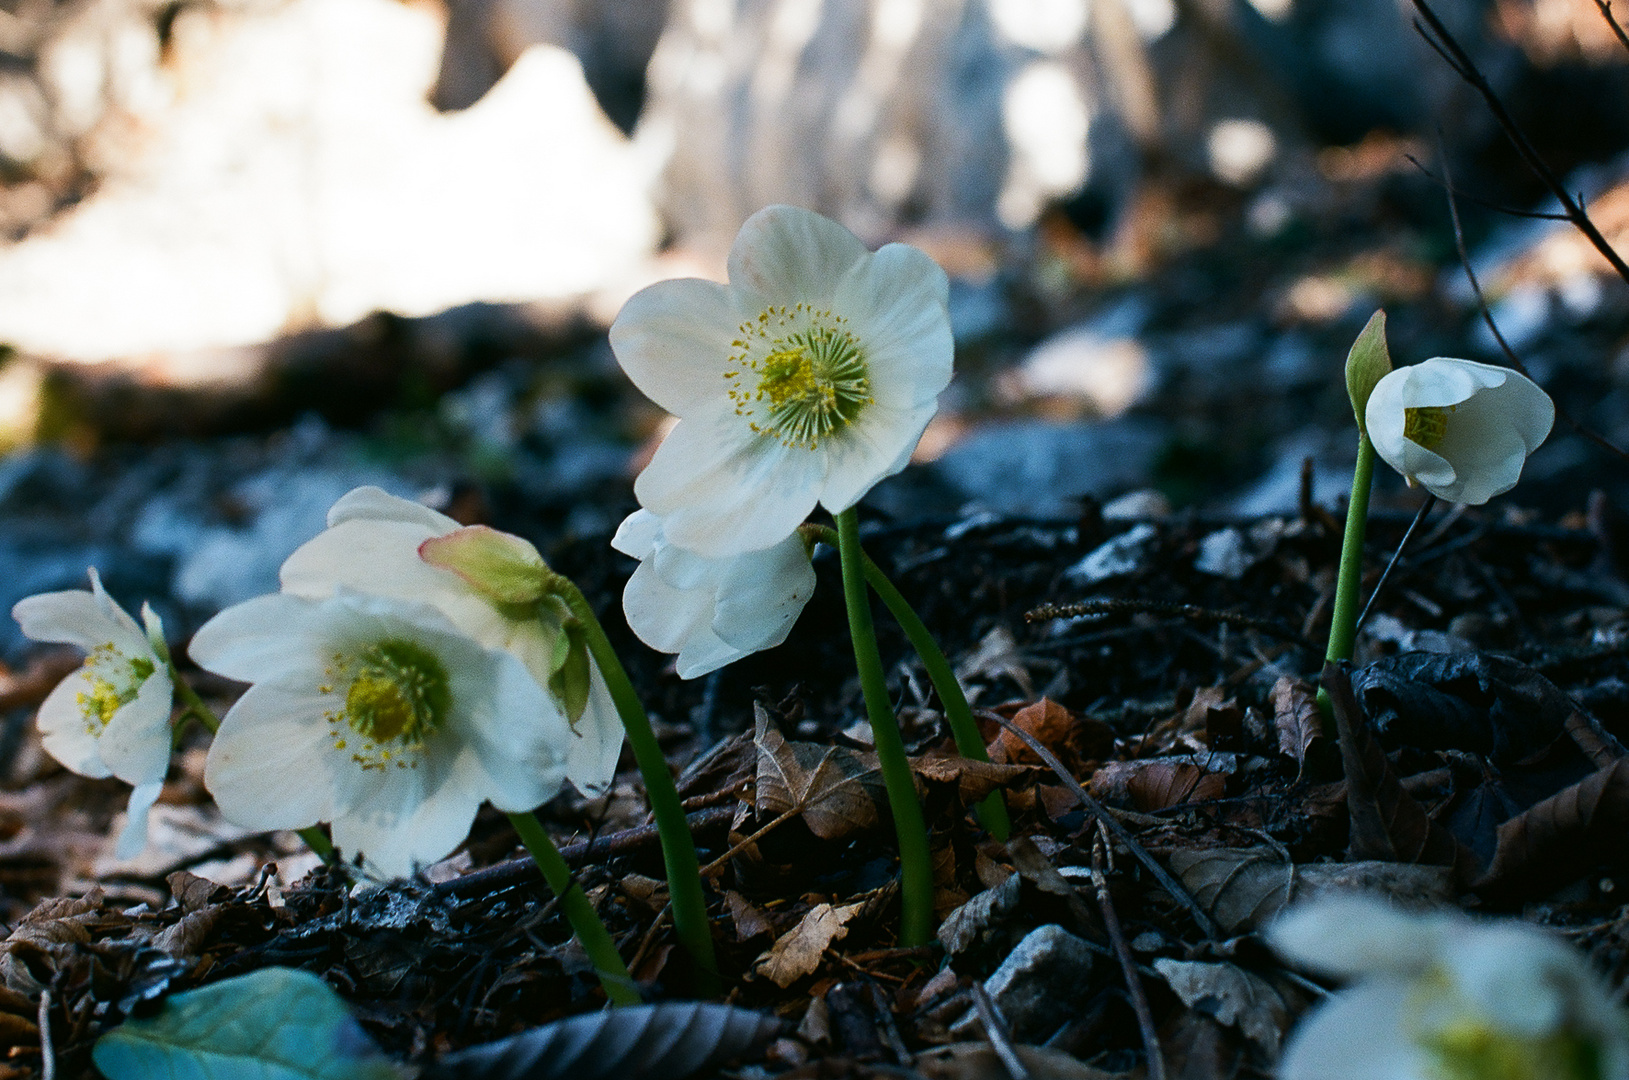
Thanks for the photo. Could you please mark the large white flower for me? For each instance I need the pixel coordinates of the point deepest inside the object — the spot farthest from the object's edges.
(711, 612)
(378, 716)
(805, 380)
(373, 545)
(1441, 996)
(111, 717)
(1460, 429)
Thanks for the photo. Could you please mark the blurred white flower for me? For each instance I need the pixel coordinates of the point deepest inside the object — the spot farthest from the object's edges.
(1440, 996)
(805, 380)
(378, 716)
(111, 717)
(711, 612)
(376, 543)
(1460, 429)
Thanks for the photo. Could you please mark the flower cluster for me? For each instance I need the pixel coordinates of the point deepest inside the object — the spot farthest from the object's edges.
(1440, 996)
(804, 381)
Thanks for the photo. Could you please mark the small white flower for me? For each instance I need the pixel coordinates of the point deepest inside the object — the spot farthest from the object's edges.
(111, 717)
(1441, 996)
(372, 545)
(378, 716)
(1460, 429)
(805, 380)
(711, 612)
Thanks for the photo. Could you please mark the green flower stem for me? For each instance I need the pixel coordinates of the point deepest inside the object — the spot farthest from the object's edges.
(969, 743)
(194, 706)
(678, 850)
(916, 867)
(585, 921)
(1349, 581)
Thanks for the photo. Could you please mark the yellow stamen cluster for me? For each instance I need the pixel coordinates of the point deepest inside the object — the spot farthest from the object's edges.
(396, 695)
(798, 374)
(1470, 1049)
(113, 679)
(1427, 424)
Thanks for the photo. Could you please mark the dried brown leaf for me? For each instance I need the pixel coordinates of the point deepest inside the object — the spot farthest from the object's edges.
(749, 921)
(838, 791)
(798, 952)
(1296, 717)
(1386, 822)
(1554, 840)
(1241, 887)
(668, 1041)
(1048, 721)
(978, 1061)
(1231, 995)
(1160, 784)
(973, 779)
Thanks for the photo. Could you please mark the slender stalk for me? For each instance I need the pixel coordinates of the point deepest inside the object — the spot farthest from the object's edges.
(1425, 509)
(969, 743)
(585, 921)
(195, 707)
(1349, 581)
(916, 867)
(678, 850)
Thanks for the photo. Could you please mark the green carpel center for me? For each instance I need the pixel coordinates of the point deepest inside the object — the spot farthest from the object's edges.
(1427, 424)
(811, 377)
(398, 694)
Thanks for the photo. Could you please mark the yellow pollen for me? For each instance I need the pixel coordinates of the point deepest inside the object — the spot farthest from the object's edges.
(1427, 424)
(114, 679)
(799, 375)
(398, 696)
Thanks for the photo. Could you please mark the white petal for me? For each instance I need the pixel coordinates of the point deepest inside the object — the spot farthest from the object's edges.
(136, 742)
(762, 596)
(686, 570)
(251, 641)
(898, 304)
(76, 617)
(403, 827)
(376, 504)
(380, 557)
(518, 736)
(1356, 934)
(878, 445)
(664, 617)
(785, 255)
(133, 837)
(64, 731)
(593, 752)
(721, 490)
(638, 534)
(1358, 1034)
(673, 341)
(272, 764)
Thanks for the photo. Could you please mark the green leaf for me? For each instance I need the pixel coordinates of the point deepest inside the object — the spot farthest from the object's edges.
(1367, 363)
(570, 680)
(274, 1024)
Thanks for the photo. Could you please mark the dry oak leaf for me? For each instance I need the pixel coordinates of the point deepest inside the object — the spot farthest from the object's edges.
(837, 790)
(798, 952)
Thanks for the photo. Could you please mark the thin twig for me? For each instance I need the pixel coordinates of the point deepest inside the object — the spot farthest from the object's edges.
(48, 1052)
(995, 1030)
(1162, 607)
(1170, 884)
(1487, 312)
(1128, 965)
(1605, 7)
(890, 1029)
(1451, 51)
(753, 839)
(1425, 508)
(1477, 200)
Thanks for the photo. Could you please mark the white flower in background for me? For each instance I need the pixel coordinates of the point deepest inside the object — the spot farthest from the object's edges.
(1440, 996)
(375, 544)
(378, 716)
(1460, 429)
(805, 380)
(111, 717)
(711, 612)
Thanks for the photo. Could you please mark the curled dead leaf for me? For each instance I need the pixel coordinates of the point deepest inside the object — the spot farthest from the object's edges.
(1554, 840)
(837, 791)
(798, 952)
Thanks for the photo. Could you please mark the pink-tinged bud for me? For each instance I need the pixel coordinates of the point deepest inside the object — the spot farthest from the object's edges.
(500, 566)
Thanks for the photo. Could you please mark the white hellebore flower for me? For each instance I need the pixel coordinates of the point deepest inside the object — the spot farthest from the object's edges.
(805, 380)
(1440, 996)
(111, 717)
(711, 612)
(1460, 429)
(378, 716)
(377, 544)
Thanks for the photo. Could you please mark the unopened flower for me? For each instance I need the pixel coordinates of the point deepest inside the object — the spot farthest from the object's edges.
(711, 612)
(1460, 429)
(489, 583)
(111, 717)
(378, 716)
(805, 380)
(1440, 996)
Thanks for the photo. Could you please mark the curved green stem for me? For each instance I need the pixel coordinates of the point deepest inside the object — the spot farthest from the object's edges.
(915, 863)
(195, 707)
(585, 921)
(678, 850)
(969, 743)
(1349, 581)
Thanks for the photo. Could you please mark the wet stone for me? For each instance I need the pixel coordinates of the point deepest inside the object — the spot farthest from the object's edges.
(1041, 984)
